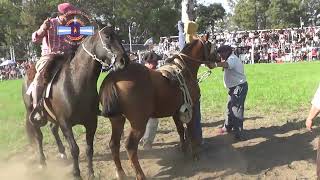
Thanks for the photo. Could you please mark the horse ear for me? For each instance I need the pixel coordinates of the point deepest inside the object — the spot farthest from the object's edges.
(205, 37)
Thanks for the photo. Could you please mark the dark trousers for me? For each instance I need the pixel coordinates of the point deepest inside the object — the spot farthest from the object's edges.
(235, 107)
(198, 127)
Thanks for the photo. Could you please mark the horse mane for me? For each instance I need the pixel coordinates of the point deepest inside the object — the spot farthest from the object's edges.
(186, 48)
(79, 48)
(189, 45)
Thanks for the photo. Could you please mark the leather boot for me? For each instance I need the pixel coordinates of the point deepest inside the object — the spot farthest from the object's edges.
(37, 95)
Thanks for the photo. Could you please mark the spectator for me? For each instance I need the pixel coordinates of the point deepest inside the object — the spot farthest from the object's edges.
(314, 110)
(150, 61)
(313, 113)
(235, 81)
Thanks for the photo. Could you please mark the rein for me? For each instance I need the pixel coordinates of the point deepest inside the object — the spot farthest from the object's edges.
(196, 59)
(193, 59)
(104, 46)
(204, 75)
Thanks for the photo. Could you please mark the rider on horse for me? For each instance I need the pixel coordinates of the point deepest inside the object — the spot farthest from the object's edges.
(52, 45)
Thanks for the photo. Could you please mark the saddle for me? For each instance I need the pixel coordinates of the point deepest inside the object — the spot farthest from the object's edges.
(47, 75)
(173, 72)
(170, 69)
(46, 78)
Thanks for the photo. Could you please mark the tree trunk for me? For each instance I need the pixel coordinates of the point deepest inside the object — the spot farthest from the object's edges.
(188, 10)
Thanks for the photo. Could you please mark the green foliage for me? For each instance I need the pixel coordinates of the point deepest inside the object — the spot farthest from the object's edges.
(284, 13)
(251, 14)
(266, 14)
(208, 15)
(151, 18)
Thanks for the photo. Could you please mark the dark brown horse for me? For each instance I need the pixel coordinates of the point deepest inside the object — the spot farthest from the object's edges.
(138, 93)
(74, 98)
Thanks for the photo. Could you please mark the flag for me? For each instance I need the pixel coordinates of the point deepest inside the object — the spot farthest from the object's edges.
(63, 30)
(87, 30)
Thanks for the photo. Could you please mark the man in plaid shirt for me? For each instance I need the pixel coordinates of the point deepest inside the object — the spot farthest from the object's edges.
(52, 44)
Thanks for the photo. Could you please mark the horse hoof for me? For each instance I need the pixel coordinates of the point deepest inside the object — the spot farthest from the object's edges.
(196, 157)
(121, 175)
(141, 177)
(91, 177)
(62, 156)
(77, 178)
(42, 166)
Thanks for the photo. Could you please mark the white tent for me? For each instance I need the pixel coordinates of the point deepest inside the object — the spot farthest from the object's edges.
(7, 62)
(148, 42)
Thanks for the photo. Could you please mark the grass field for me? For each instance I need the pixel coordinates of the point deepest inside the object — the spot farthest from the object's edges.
(272, 88)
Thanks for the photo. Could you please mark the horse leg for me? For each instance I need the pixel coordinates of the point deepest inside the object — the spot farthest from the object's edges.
(67, 132)
(117, 124)
(39, 138)
(134, 137)
(30, 130)
(54, 130)
(180, 129)
(90, 132)
(35, 139)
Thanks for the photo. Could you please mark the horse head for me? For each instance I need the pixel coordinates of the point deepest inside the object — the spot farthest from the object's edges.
(201, 51)
(108, 49)
(210, 51)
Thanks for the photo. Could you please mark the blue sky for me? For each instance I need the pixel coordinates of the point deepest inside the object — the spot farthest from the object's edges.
(223, 2)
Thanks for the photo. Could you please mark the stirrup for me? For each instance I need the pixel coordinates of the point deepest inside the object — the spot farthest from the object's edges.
(32, 117)
(185, 113)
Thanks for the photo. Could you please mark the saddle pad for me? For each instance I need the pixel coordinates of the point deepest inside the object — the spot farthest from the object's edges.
(48, 88)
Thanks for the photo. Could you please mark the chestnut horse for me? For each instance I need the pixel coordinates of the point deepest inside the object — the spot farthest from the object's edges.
(138, 93)
(74, 97)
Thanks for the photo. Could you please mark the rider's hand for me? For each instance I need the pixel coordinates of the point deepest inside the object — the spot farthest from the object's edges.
(46, 24)
(309, 124)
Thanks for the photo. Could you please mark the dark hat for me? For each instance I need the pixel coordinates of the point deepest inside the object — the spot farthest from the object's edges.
(224, 48)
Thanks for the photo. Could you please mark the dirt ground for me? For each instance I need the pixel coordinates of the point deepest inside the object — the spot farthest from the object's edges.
(276, 147)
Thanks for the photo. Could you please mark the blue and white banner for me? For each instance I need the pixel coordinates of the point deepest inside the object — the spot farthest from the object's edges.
(63, 30)
(87, 30)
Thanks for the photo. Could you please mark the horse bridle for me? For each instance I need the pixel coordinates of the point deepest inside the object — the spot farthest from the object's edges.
(206, 49)
(104, 46)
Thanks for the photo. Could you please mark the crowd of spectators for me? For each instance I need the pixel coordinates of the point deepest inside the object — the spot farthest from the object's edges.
(13, 71)
(276, 45)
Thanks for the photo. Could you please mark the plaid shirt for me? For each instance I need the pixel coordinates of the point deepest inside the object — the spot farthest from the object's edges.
(52, 43)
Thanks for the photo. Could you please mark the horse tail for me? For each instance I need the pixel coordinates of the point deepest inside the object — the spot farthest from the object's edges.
(109, 99)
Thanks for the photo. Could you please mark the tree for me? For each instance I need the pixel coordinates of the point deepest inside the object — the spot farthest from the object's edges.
(251, 14)
(151, 18)
(284, 13)
(208, 15)
(232, 4)
(310, 12)
(266, 14)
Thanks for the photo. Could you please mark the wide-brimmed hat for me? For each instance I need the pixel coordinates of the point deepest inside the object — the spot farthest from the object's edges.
(65, 7)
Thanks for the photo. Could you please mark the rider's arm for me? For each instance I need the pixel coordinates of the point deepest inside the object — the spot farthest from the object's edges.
(38, 35)
(222, 64)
